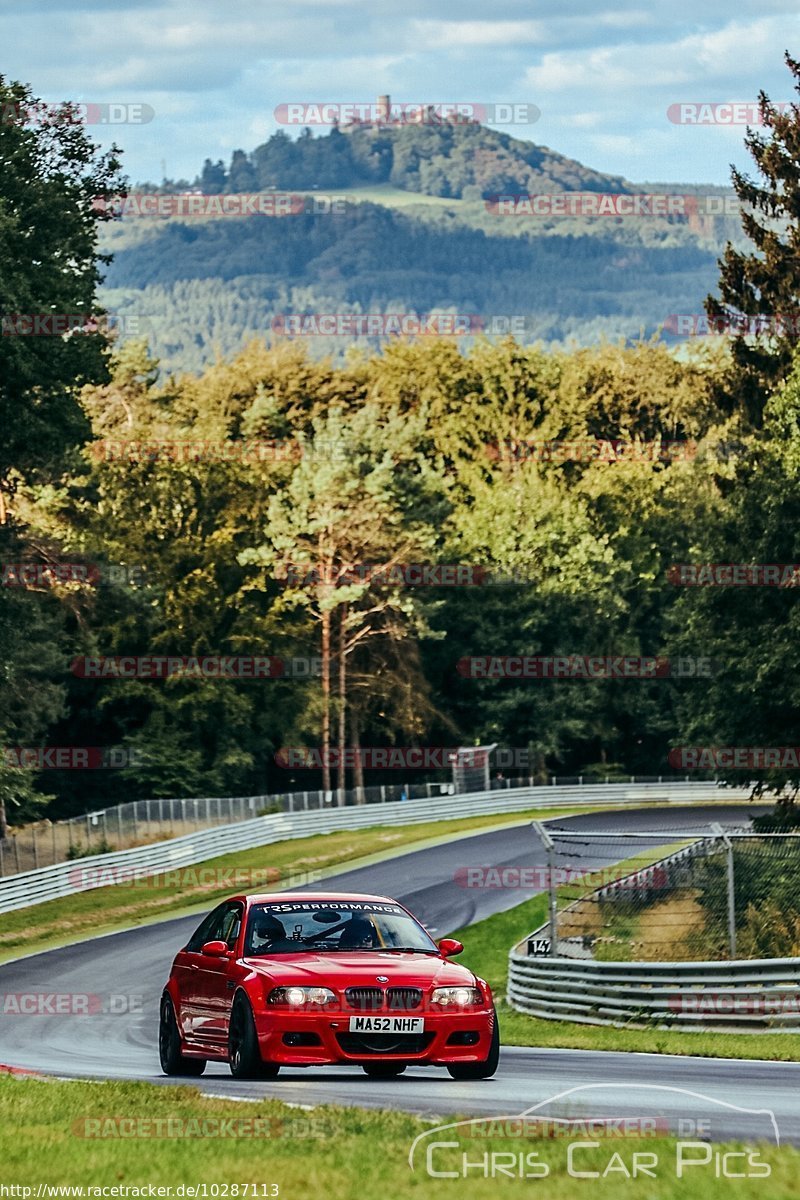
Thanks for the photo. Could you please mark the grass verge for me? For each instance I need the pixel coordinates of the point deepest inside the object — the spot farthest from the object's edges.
(136, 1135)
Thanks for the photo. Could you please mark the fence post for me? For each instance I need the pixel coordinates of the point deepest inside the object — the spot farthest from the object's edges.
(135, 826)
(305, 801)
(549, 846)
(119, 824)
(728, 844)
(55, 848)
(35, 848)
(2, 864)
(16, 853)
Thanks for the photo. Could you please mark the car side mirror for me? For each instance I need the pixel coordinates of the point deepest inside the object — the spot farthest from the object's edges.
(449, 947)
(216, 949)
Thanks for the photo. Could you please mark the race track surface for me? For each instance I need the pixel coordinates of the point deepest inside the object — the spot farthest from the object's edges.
(127, 972)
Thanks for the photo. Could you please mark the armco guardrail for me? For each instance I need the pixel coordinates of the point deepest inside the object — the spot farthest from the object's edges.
(64, 879)
(754, 996)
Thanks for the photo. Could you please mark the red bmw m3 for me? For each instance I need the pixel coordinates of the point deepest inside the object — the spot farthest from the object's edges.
(300, 980)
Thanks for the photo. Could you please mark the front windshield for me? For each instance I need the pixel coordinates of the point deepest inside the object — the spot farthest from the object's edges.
(327, 927)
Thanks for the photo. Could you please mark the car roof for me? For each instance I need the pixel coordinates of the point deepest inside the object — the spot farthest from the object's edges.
(310, 897)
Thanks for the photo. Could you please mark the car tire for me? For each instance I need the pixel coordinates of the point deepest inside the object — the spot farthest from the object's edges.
(244, 1056)
(169, 1044)
(380, 1070)
(480, 1070)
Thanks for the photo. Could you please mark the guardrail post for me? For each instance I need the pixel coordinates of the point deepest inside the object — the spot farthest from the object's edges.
(549, 846)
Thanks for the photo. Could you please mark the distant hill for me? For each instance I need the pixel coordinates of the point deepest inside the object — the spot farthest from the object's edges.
(416, 231)
(452, 159)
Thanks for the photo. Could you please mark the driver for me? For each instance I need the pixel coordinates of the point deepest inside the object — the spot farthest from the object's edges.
(269, 935)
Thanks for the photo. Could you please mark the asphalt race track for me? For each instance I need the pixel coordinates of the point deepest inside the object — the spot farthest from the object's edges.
(128, 970)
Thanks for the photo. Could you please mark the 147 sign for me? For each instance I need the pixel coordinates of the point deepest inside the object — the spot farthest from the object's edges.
(538, 947)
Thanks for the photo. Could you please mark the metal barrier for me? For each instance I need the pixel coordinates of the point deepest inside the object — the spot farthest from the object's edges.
(755, 996)
(66, 878)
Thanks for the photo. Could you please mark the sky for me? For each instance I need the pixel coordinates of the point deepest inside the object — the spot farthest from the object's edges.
(211, 73)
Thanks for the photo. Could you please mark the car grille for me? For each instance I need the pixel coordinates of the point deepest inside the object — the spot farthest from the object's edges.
(366, 999)
(405, 998)
(372, 999)
(384, 1043)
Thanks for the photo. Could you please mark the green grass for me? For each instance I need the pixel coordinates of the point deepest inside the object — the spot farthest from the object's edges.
(104, 910)
(487, 945)
(335, 1153)
(386, 194)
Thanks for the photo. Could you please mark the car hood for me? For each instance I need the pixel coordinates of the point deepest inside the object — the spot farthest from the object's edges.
(354, 968)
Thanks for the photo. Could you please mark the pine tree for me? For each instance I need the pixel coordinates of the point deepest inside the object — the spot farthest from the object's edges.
(764, 283)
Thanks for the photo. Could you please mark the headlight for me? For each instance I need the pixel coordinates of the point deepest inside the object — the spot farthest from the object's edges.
(296, 997)
(456, 997)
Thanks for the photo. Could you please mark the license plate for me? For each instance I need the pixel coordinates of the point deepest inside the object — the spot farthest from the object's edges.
(387, 1024)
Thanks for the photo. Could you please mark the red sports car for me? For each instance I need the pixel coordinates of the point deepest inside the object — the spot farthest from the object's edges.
(300, 980)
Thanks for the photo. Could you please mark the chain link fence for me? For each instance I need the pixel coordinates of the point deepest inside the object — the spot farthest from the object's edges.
(663, 895)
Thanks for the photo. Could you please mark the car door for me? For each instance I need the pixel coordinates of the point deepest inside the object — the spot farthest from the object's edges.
(185, 972)
(215, 978)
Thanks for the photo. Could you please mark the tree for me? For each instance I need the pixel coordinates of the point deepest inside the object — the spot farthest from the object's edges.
(52, 187)
(752, 631)
(361, 496)
(764, 283)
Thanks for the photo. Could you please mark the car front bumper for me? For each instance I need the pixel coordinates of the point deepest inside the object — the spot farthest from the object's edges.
(304, 1038)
